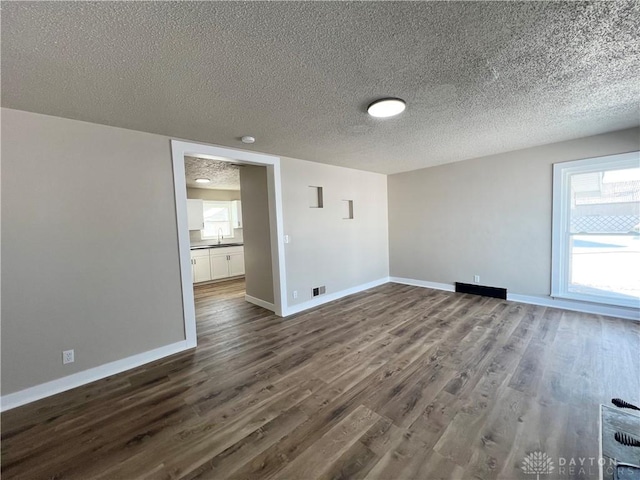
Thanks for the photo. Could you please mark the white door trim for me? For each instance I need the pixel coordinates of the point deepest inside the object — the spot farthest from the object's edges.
(181, 148)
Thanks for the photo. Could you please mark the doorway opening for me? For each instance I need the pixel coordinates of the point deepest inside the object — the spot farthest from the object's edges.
(222, 239)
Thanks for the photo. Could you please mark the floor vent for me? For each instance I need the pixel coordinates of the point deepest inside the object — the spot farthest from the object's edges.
(318, 291)
(481, 290)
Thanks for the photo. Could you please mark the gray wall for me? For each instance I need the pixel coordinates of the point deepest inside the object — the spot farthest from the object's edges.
(76, 200)
(80, 204)
(211, 194)
(325, 249)
(78, 197)
(489, 216)
(256, 233)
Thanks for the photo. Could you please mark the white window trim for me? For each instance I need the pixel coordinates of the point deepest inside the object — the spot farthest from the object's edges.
(560, 228)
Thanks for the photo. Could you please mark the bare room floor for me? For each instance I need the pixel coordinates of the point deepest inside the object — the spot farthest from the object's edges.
(396, 382)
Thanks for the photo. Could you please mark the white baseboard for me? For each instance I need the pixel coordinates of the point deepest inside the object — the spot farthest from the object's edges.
(322, 299)
(28, 395)
(31, 394)
(261, 303)
(38, 392)
(447, 287)
(576, 306)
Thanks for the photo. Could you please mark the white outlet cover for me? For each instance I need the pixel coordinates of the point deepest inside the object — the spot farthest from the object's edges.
(68, 356)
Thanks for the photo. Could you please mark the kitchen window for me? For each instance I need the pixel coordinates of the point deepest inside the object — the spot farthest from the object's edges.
(596, 230)
(217, 219)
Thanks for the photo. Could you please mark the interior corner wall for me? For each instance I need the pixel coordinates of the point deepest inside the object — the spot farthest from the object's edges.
(89, 247)
(489, 216)
(325, 249)
(256, 233)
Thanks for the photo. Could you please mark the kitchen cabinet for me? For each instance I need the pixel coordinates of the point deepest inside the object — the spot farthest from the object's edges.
(216, 263)
(219, 265)
(200, 265)
(236, 264)
(227, 262)
(195, 214)
(236, 213)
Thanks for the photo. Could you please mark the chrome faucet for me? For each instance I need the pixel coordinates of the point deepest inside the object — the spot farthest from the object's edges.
(220, 235)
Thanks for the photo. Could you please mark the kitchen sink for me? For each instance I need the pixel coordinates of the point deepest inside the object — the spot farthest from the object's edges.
(222, 245)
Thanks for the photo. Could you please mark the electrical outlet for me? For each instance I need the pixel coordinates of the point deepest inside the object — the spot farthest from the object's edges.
(295, 294)
(68, 356)
(476, 278)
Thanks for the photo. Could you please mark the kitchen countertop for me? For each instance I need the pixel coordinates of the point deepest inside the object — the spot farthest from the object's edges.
(215, 245)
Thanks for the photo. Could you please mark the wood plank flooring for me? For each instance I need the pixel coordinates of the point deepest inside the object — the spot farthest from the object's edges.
(397, 382)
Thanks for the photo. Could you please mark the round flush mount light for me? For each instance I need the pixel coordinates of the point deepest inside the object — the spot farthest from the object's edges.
(386, 107)
(248, 139)
(202, 180)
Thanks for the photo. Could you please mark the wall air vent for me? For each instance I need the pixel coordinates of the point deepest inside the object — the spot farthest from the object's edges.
(481, 290)
(318, 291)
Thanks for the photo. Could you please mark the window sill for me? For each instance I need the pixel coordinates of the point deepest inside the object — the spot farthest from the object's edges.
(215, 237)
(614, 302)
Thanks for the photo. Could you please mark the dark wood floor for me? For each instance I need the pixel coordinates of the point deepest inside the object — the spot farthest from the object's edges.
(396, 382)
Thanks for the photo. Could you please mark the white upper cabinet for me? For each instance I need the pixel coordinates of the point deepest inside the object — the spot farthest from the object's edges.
(236, 213)
(195, 214)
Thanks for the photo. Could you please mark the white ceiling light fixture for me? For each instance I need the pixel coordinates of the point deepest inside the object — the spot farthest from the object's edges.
(248, 139)
(386, 107)
(202, 180)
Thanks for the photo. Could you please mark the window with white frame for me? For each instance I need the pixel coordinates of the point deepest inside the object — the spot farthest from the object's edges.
(596, 230)
(217, 220)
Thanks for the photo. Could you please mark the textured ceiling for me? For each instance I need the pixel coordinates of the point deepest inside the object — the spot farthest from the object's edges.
(223, 175)
(478, 77)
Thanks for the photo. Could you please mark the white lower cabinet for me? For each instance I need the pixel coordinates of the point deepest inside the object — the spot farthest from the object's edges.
(201, 270)
(200, 266)
(236, 264)
(216, 263)
(227, 262)
(219, 266)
